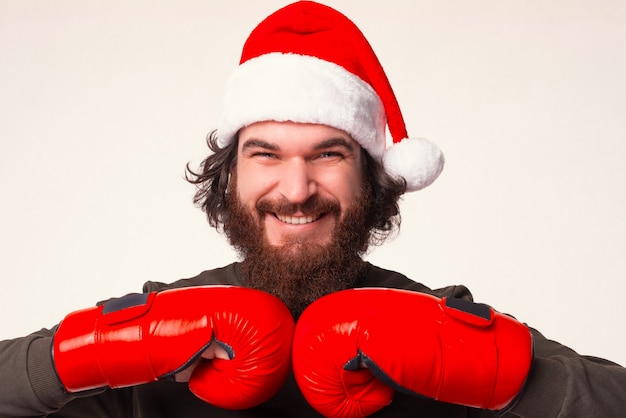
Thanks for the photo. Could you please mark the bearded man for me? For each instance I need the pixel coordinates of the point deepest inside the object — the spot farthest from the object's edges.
(302, 180)
(303, 225)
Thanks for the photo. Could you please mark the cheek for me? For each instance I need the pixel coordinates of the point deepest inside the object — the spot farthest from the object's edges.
(346, 187)
(251, 184)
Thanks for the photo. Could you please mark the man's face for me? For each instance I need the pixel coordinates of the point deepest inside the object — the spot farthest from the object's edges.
(297, 179)
(298, 210)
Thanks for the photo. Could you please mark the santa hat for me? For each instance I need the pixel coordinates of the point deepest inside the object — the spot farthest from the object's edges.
(309, 63)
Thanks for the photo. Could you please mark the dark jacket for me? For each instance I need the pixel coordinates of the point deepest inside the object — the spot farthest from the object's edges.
(561, 384)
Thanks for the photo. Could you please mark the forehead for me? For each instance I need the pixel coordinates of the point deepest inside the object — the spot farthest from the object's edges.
(292, 135)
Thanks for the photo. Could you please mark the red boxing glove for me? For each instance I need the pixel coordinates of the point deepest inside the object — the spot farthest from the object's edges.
(141, 338)
(451, 350)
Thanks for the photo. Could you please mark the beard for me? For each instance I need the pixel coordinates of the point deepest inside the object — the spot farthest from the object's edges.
(299, 272)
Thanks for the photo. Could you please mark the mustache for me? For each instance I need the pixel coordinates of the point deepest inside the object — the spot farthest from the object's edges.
(313, 206)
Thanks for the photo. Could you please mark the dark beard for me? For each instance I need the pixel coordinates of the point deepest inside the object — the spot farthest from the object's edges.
(299, 272)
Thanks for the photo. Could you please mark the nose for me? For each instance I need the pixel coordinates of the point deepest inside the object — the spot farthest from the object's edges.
(298, 183)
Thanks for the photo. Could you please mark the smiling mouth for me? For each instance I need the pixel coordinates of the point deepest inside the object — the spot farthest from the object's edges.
(297, 220)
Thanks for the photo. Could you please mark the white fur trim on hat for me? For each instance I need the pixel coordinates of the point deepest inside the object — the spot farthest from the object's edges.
(299, 88)
(417, 160)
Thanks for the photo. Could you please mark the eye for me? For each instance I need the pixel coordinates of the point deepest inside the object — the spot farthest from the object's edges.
(264, 154)
(331, 154)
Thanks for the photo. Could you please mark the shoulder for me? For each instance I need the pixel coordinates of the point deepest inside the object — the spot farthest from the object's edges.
(218, 276)
(379, 277)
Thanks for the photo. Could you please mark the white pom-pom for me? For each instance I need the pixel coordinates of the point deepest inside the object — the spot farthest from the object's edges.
(417, 160)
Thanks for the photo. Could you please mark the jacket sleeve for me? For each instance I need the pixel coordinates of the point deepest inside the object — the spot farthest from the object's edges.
(30, 386)
(564, 384)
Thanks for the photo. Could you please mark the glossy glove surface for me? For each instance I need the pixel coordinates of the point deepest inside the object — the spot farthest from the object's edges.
(450, 350)
(141, 338)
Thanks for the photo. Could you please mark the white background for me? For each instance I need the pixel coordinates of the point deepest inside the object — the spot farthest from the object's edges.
(103, 103)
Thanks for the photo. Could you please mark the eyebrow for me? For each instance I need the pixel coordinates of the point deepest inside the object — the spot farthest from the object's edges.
(257, 143)
(335, 142)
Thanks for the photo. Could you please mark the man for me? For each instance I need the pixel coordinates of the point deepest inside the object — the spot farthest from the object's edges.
(301, 181)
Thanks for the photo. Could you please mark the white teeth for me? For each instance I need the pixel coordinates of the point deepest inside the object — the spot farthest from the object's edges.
(296, 220)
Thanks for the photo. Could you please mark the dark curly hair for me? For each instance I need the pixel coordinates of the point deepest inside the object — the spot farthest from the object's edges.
(212, 185)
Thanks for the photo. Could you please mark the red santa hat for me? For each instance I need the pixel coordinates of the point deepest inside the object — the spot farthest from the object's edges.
(309, 63)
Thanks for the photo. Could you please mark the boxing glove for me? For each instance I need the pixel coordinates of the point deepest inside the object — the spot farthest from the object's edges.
(353, 348)
(141, 338)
